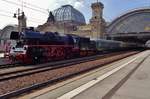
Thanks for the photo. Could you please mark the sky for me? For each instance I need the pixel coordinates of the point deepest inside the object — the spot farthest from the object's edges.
(37, 10)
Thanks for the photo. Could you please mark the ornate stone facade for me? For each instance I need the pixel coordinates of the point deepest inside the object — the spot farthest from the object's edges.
(66, 19)
(96, 28)
(73, 22)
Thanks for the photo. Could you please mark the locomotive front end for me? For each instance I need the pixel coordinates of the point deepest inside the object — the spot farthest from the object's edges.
(18, 54)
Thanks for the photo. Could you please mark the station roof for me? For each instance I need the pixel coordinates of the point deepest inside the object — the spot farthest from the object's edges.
(137, 20)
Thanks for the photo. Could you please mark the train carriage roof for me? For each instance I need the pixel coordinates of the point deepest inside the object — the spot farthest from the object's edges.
(104, 40)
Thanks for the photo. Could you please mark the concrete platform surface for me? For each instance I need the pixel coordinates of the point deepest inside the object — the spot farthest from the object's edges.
(102, 83)
(138, 86)
(132, 82)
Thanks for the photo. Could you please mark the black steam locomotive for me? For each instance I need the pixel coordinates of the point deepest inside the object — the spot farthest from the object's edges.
(33, 46)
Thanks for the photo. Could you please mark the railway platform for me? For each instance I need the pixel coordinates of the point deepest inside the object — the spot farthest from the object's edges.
(128, 78)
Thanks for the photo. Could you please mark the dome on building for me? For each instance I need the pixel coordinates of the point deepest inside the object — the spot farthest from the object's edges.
(68, 14)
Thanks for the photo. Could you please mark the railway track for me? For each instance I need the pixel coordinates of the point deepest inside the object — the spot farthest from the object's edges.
(6, 66)
(12, 65)
(16, 66)
(109, 59)
(28, 70)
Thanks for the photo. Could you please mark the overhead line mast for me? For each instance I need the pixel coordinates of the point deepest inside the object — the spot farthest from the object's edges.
(21, 19)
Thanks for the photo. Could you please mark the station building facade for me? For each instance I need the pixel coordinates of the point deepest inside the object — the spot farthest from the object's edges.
(67, 19)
